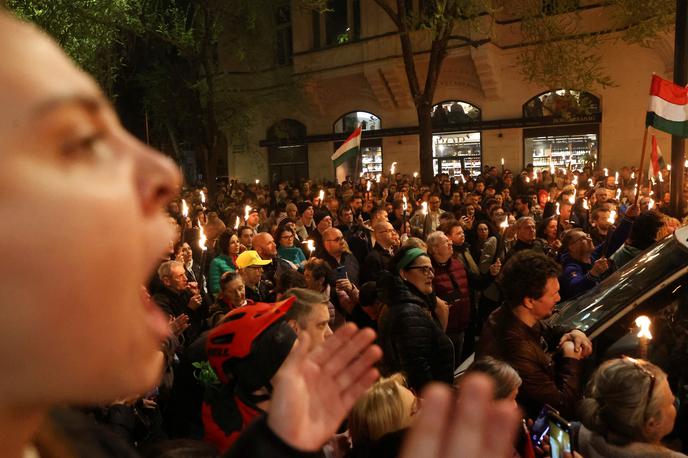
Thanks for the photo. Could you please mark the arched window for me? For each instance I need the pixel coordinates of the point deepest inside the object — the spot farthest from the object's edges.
(370, 160)
(572, 141)
(459, 147)
(287, 161)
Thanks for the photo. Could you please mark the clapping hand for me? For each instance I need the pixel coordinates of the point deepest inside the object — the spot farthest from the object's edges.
(315, 390)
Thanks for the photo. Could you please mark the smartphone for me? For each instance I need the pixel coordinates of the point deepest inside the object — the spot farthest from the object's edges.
(341, 273)
(560, 436)
(541, 425)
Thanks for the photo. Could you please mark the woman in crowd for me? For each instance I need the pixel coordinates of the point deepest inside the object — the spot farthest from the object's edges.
(387, 406)
(627, 411)
(547, 231)
(229, 245)
(284, 237)
(410, 334)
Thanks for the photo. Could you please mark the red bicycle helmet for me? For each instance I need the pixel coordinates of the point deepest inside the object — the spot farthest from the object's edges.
(236, 339)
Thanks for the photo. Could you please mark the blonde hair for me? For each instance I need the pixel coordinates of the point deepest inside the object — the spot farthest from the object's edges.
(378, 412)
(618, 401)
(415, 242)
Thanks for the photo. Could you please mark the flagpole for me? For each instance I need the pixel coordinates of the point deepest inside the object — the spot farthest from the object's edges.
(642, 163)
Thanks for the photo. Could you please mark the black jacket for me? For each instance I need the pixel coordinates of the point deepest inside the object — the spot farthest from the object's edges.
(378, 260)
(412, 341)
(176, 303)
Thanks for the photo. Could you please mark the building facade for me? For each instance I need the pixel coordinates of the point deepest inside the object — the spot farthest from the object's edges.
(349, 69)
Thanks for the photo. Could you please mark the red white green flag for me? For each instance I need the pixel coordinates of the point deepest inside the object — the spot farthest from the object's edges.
(668, 110)
(656, 159)
(350, 148)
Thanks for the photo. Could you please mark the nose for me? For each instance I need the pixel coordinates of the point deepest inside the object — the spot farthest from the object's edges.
(157, 177)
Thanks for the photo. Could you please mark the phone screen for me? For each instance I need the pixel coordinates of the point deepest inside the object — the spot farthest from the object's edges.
(559, 437)
(341, 273)
(540, 427)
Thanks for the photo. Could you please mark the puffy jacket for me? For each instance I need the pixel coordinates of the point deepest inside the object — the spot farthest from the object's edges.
(218, 266)
(412, 341)
(545, 380)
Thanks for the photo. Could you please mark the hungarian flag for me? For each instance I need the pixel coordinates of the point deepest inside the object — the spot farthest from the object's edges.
(668, 109)
(656, 159)
(350, 148)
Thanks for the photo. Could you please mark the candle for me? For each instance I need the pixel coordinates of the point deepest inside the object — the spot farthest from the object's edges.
(415, 174)
(685, 164)
(311, 247)
(612, 217)
(669, 167)
(616, 178)
(236, 224)
(185, 214)
(618, 193)
(606, 172)
(632, 175)
(321, 196)
(585, 204)
(201, 244)
(558, 212)
(502, 161)
(650, 204)
(257, 181)
(424, 205)
(393, 168)
(202, 198)
(502, 230)
(247, 211)
(644, 335)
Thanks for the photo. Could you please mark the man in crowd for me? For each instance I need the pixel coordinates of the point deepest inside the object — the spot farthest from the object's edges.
(600, 224)
(251, 266)
(266, 248)
(181, 297)
(547, 359)
(380, 258)
(245, 235)
(362, 240)
(310, 314)
(525, 237)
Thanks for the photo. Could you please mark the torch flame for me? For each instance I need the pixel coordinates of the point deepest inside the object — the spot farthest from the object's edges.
(202, 197)
(393, 168)
(618, 194)
(247, 211)
(650, 204)
(368, 186)
(503, 162)
(311, 246)
(377, 177)
(257, 181)
(643, 322)
(236, 224)
(504, 224)
(606, 172)
(321, 195)
(616, 178)
(661, 178)
(415, 174)
(612, 217)
(425, 208)
(633, 176)
(585, 204)
(669, 167)
(405, 205)
(185, 209)
(202, 239)
(572, 199)
(558, 213)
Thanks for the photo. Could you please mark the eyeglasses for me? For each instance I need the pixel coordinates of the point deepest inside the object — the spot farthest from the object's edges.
(338, 239)
(427, 270)
(644, 370)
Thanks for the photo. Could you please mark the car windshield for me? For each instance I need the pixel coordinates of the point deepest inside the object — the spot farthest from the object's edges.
(622, 287)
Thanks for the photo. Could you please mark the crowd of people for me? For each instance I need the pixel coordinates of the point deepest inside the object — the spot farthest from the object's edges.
(298, 319)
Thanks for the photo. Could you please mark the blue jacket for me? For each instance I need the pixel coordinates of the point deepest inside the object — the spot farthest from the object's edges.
(575, 278)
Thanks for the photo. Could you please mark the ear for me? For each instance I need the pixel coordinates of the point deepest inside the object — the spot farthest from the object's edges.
(528, 303)
(295, 327)
(402, 275)
(651, 427)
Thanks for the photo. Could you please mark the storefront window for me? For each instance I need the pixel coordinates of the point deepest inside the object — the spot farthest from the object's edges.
(573, 140)
(371, 149)
(455, 152)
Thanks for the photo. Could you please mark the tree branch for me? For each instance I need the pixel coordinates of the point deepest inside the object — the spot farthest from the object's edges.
(469, 41)
(390, 12)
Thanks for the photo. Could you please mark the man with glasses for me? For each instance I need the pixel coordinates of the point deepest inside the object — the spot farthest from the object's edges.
(428, 223)
(380, 258)
(250, 266)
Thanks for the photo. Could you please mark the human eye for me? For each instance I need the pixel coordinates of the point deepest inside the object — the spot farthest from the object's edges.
(90, 147)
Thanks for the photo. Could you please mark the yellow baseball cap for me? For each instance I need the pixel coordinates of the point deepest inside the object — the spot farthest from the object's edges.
(251, 258)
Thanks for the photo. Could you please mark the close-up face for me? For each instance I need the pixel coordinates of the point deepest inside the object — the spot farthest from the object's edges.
(543, 306)
(551, 229)
(251, 275)
(184, 253)
(483, 231)
(581, 247)
(235, 292)
(526, 231)
(253, 219)
(71, 173)
(246, 238)
(420, 274)
(434, 203)
(442, 249)
(458, 237)
(177, 280)
(287, 239)
(234, 245)
(385, 234)
(317, 324)
(334, 242)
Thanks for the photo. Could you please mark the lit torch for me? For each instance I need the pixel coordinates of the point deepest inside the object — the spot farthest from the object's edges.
(616, 178)
(257, 181)
(644, 335)
(558, 212)
(606, 172)
(415, 174)
(612, 217)
(377, 177)
(202, 198)
(236, 223)
(321, 196)
(185, 214)
(669, 167)
(393, 168)
(311, 246)
(585, 204)
(651, 204)
(202, 239)
(247, 211)
(368, 184)
(618, 194)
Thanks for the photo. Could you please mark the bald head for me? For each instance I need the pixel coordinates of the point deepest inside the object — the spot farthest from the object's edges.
(265, 245)
(334, 243)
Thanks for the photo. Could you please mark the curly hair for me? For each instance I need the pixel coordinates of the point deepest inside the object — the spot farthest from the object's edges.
(525, 275)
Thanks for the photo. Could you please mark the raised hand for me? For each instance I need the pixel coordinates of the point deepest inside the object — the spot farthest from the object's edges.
(472, 426)
(315, 390)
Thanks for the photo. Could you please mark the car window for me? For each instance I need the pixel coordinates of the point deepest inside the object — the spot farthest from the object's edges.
(645, 272)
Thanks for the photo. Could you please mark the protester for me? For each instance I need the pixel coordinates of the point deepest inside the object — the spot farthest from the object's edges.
(229, 246)
(251, 269)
